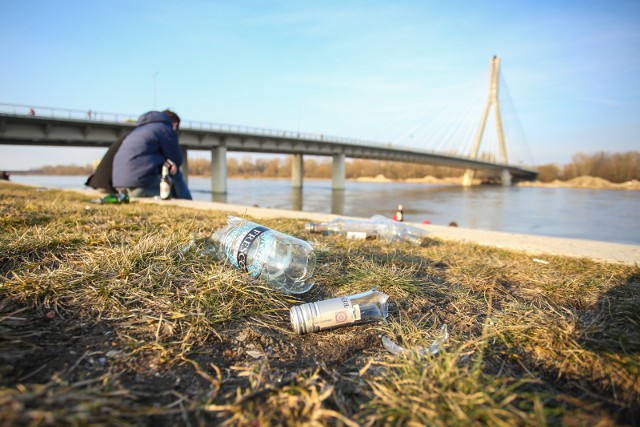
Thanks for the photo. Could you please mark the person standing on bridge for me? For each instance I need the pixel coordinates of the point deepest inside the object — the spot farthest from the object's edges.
(137, 165)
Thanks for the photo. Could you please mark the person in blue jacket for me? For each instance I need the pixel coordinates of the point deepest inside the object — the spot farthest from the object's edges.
(137, 165)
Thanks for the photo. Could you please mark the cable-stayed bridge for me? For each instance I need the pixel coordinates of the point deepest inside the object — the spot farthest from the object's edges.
(44, 126)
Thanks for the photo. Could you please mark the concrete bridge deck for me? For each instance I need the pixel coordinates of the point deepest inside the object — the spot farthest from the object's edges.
(23, 129)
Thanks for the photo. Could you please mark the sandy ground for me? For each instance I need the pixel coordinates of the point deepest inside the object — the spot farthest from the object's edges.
(537, 246)
(578, 182)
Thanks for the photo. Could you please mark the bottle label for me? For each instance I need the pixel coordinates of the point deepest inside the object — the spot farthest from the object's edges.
(245, 244)
(165, 189)
(334, 312)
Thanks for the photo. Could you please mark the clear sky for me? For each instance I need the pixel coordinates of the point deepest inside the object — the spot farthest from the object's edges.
(376, 70)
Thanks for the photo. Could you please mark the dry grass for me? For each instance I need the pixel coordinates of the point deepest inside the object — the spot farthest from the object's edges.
(143, 336)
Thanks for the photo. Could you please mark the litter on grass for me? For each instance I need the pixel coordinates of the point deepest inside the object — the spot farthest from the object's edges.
(434, 348)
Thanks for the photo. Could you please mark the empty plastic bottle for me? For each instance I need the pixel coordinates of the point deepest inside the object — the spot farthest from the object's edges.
(376, 227)
(284, 262)
(369, 306)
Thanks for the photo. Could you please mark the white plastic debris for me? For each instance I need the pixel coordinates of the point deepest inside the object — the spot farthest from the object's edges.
(434, 348)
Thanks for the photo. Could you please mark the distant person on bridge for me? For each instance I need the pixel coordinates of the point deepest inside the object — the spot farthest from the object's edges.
(137, 165)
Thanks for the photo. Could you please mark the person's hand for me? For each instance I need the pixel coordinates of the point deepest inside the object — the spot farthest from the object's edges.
(173, 169)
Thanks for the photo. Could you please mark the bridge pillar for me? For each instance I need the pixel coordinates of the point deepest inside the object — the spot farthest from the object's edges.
(467, 178)
(184, 168)
(505, 177)
(339, 172)
(219, 170)
(297, 171)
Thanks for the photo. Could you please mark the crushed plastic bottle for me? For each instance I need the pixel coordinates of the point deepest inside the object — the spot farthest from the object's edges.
(112, 198)
(369, 306)
(434, 348)
(284, 262)
(376, 227)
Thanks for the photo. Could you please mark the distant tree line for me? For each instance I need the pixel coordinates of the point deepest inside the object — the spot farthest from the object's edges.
(65, 170)
(617, 168)
(280, 167)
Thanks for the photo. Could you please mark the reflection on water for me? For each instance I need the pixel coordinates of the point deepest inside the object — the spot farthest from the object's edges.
(337, 202)
(215, 197)
(296, 198)
(607, 215)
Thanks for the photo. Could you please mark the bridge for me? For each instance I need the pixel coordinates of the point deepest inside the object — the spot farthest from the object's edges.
(44, 126)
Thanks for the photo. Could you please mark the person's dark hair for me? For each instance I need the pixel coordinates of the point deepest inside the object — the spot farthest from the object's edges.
(173, 116)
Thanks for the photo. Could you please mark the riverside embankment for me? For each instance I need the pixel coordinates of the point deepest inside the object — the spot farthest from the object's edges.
(534, 245)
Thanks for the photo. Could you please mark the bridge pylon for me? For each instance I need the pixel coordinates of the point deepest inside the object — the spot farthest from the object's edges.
(492, 99)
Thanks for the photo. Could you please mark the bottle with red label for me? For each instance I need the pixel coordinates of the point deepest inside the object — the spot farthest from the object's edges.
(365, 307)
(284, 262)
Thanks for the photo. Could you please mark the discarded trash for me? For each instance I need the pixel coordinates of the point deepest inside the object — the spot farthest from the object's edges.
(539, 261)
(112, 199)
(434, 348)
(376, 227)
(165, 181)
(399, 216)
(360, 308)
(284, 262)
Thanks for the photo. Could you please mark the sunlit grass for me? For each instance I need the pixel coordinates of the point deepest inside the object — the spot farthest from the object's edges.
(105, 321)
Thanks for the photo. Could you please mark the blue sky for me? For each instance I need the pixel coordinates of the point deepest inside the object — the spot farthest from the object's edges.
(405, 72)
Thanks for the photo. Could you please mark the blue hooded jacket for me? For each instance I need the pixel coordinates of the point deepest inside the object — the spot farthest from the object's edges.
(138, 162)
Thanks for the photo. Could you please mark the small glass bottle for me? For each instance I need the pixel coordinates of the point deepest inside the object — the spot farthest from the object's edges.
(114, 199)
(284, 262)
(165, 183)
(399, 214)
(369, 306)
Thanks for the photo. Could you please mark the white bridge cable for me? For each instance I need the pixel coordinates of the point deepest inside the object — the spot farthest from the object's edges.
(452, 127)
(518, 149)
(446, 127)
(454, 124)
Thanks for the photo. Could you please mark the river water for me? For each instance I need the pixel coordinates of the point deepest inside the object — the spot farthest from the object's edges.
(593, 214)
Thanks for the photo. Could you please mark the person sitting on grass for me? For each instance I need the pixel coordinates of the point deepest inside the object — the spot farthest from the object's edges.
(137, 165)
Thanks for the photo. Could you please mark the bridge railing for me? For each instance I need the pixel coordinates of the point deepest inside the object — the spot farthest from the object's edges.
(65, 113)
(99, 116)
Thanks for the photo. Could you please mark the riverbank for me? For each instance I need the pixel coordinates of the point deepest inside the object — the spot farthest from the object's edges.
(534, 245)
(579, 182)
(109, 319)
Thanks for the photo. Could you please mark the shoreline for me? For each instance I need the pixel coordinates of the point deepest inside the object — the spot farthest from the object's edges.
(578, 182)
(581, 182)
(618, 253)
